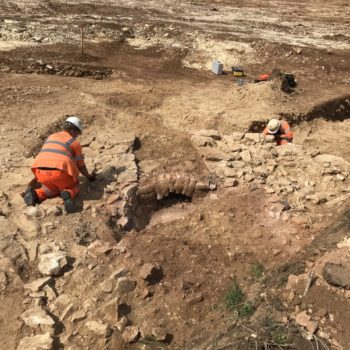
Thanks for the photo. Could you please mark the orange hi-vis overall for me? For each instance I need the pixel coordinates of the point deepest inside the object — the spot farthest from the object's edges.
(284, 131)
(56, 167)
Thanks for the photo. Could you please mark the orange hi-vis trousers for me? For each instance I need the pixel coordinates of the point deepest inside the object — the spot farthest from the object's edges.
(283, 141)
(53, 182)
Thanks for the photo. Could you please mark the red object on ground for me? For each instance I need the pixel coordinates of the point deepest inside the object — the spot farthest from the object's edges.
(264, 77)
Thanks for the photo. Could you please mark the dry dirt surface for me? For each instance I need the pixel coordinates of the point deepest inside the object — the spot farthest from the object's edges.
(198, 234)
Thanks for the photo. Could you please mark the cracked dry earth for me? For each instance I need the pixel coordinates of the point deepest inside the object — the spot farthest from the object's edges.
(191, 207)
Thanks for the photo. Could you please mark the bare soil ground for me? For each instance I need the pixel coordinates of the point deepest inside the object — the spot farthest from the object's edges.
(146, 72)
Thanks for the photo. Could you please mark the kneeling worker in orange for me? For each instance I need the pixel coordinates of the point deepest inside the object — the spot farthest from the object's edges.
(57, 167)
(281, 130)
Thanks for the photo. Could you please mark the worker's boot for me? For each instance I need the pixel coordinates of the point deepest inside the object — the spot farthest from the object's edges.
(68, 202)
(30, 197)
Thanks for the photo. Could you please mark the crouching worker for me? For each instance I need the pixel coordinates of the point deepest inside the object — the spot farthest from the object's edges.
(280, 129)
(57, 166)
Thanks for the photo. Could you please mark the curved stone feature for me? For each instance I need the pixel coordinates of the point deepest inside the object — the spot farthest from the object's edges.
(146, 189)
(161, 186)
(191, 187)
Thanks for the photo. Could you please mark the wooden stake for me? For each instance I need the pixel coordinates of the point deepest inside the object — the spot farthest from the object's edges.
(309, 281)
(82, 39)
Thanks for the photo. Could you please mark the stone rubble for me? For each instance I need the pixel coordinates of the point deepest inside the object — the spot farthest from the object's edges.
(37, 342)
(249, 161)
(107, 286)
(50, 293)
(122, 323)
(122, 272)
(295, 281)
(67, 311)
(195, 299)
(130, 334)
(304, 320)
(125, 285)
(97, 327)
(78, 316)
(302, 176)
(112, 156)
(38, 284)
(51, 264)
(38, 317)
(151, 273)
(159, 334)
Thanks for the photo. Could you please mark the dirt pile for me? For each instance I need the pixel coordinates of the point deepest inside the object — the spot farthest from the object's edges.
(65, 70)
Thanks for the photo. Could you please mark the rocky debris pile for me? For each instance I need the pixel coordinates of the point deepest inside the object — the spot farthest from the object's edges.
(103, 304)
(68, 32)
(131, 334)
(304, 320)
(51, 264)
(302, 176)
(36, 342)
(40, 67)
(126, 201)
(62, 305)
(112, 156)
(39, 318)
(311, 317)
(151, 273)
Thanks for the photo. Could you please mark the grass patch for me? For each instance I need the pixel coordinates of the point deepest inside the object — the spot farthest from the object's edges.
(234, 297)
(276, 333)
(279, 337)
(257, 271)
(235, 301)
(246, 310)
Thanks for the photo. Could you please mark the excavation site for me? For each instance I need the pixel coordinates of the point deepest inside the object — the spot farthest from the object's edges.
(174, 175)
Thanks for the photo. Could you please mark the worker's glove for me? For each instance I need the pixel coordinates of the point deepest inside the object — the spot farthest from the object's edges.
(92, 177)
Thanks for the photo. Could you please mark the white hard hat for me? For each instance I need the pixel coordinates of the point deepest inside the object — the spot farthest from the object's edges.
(273, 126)
(76, 122)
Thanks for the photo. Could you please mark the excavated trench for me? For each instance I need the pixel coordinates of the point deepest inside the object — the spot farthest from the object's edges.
(128, 202)
(170, 195)
(173, 207)
(335, 110)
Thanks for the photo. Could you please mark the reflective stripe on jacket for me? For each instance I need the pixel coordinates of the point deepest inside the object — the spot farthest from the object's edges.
(61, 151)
